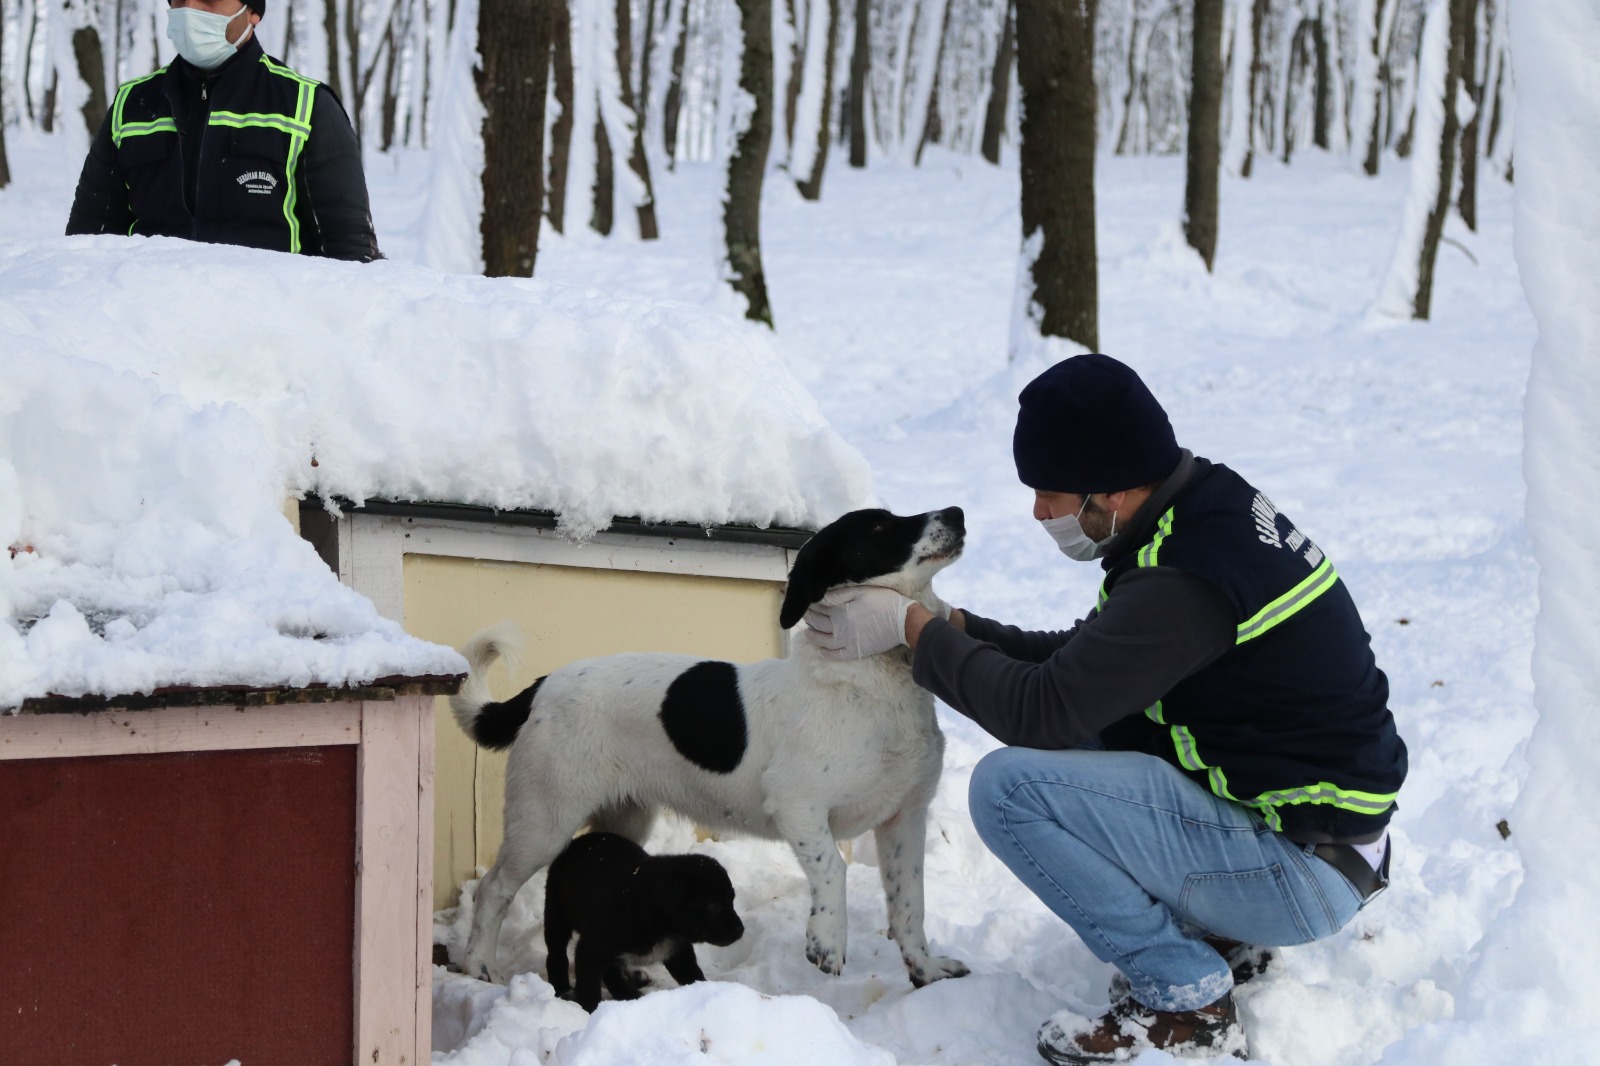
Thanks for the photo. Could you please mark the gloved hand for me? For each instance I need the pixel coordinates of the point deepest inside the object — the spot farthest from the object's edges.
(856, 621)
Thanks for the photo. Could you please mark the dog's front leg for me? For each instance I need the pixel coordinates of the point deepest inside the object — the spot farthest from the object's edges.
(901, 842)
(808, 834)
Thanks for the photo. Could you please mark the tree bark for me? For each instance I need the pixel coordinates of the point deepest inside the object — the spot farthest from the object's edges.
(561, 128)
(330, 26)
(1322, 118)
(1467, 202)
(1258, 66)
(932, 131)
(92, 69)
(514, 42)
(5, 165)
(1448, 138)
(1380, 61)
(672, 107)
(637, 162)
(810, 185)
(994, 115)
(1205, 131)
(1055, 69)
(604, 215)
(860, 67)
(747, 164)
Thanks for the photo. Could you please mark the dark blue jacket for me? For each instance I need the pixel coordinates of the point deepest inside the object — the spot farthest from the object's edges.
(1293, 721)
(250, 153)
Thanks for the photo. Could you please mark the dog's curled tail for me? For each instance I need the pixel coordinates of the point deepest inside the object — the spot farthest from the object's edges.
(491, 725)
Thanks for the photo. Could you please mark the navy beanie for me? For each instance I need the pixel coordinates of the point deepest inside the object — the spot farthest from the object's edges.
(1089, 425)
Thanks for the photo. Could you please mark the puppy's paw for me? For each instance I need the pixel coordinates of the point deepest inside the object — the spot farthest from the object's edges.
(825, 957)
(934, 968)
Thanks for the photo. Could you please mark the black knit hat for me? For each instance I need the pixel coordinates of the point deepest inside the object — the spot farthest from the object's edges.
(1088, 425)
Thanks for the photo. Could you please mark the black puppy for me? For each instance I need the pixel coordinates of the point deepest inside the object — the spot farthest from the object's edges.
(628, 906)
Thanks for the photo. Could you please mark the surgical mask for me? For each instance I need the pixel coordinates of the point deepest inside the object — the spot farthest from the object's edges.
(201, 37)
(1069, 536)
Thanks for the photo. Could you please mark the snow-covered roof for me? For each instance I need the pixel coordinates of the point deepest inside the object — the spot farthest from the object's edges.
(162, 399)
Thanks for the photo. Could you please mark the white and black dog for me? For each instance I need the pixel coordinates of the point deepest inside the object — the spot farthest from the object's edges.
(798, 749)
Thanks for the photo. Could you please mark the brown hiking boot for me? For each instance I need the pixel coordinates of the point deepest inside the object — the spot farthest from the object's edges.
(1130, 1028)
(1245, 960)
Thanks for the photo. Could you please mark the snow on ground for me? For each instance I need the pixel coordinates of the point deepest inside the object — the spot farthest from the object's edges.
(1399, 449)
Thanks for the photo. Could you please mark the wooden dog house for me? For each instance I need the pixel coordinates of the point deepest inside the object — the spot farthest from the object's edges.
(201, 876)
(446, 571)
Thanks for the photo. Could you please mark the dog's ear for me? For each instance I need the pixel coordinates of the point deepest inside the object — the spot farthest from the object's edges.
(806, 585)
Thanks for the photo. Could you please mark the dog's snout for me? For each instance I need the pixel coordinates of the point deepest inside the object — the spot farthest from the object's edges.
(954, 518)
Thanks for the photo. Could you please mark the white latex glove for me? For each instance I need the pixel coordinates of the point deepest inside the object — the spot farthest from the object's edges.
(856, 621)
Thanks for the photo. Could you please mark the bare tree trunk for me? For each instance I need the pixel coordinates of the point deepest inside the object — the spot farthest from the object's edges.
(561, 128)
(92, 69)
(797, 56)
(1055, 69)
(604, 216)
(514, 44)
(810, 185)
(637, 162)
(1205, 131)
(5, 165)
(1135, 73)
(1005, 57)
(1323, 102)
(391, 100)
(860, 67)
(48, 123)
(647, 45)
(931, 131)
(747, 165)
(1467, 203)
(330, 26)
(358, 89)
(1258, 66)
(1380, 61)
(1299, 58)
(1448, 138)
(672, 107)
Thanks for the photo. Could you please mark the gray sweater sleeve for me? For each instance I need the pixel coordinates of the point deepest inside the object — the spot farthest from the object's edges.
(1056, 690)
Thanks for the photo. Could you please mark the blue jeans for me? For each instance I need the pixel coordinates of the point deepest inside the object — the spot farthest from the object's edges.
(1140, 860)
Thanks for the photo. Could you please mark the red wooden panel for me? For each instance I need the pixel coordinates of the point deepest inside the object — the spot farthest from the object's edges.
(178, 910)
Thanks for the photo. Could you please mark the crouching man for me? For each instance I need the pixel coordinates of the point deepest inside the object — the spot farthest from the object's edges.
(1206, 763)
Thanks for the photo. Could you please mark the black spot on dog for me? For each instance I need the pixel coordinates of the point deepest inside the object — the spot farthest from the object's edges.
(704, 716)
(497, 724)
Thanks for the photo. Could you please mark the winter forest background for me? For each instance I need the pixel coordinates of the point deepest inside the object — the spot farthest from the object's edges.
(572, 109)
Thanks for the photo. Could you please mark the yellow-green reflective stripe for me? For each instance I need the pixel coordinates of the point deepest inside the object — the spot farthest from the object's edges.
(1147, 554)
(1155, 713)
(1188, 753)
(1323, 792)
(122, 99)
(285, 72)
(139, 129)
(276, 122)
(1284, 607)
(302, 114)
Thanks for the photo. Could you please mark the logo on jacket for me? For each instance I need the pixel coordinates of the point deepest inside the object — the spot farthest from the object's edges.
(1266, 515)
(259, 182)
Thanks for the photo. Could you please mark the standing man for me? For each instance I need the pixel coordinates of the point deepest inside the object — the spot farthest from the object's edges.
(1206, 761)
(229, 146)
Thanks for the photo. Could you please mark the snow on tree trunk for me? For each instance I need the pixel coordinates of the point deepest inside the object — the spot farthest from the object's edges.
(745, 137)
(814, 107)
(1001, 75)
(1367, 92)
(1408, 288)
(450, 240)
(1535, 976)
(1236, 149)
(923, 63)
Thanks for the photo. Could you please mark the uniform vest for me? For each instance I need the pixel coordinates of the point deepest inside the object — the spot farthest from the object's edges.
(1293, 721)
(246, 189)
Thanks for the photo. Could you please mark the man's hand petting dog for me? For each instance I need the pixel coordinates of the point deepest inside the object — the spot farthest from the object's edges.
(856, 621)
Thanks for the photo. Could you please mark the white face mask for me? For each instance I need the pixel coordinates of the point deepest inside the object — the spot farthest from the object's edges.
(201, 37)
(1072, 540)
